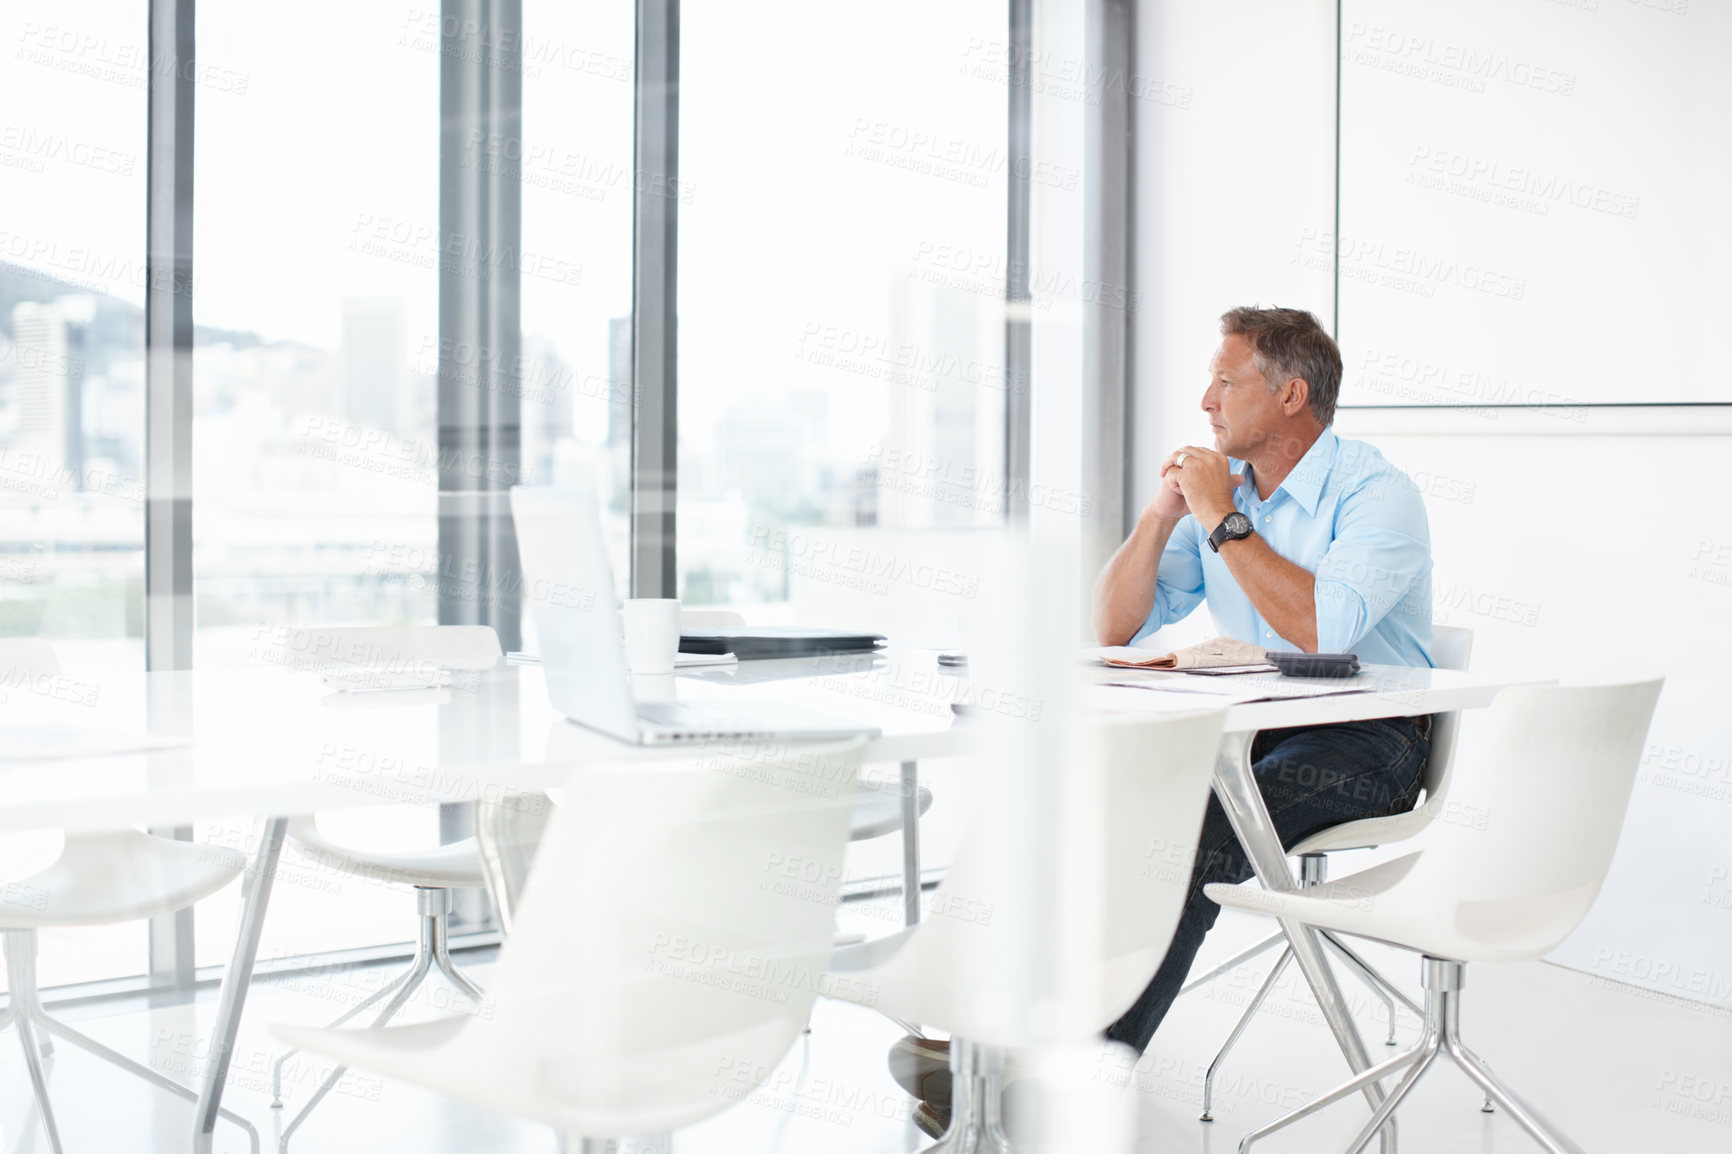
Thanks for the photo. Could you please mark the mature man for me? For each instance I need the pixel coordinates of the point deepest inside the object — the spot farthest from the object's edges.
(1298, 540)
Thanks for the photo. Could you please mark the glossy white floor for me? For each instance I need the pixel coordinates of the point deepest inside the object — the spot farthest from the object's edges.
(1621, 1071)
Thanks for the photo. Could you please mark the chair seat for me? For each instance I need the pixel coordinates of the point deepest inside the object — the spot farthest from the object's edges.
(599, 1094)
(1374, 903)
(878, 809)
(1370, 832)
(456, 865)
(117, 876)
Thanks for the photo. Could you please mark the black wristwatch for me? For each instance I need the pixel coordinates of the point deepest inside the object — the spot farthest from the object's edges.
(1235, 527)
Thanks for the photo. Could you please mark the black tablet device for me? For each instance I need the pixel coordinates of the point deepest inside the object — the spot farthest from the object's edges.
(1314, 664)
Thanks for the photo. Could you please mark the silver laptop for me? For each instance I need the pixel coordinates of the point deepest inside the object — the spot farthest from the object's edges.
(569, 586)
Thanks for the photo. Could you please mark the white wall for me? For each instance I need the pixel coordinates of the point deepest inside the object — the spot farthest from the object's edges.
(1512, 170)
(1579, 544)
(1232, 175)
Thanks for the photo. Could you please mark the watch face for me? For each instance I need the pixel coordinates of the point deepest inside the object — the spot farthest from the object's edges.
(1238, 524)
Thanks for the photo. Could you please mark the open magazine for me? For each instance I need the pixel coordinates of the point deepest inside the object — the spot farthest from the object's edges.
(1215, 654)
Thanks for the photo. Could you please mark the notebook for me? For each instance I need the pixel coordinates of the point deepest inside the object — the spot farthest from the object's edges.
(1217, 653)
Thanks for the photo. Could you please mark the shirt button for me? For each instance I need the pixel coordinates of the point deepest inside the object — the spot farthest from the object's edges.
(1266, 520)
(1268, 635)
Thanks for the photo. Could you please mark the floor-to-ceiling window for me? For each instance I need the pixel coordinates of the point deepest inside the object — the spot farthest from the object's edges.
(72, 289)
(842, 377)
(842, 381)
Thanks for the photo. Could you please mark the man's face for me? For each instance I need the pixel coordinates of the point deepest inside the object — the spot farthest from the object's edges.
(1242, 411)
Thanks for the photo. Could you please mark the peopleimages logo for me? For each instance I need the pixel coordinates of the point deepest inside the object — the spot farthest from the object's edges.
(813, 552)
(1490, 175)
(1402, 267)
(1451, 64)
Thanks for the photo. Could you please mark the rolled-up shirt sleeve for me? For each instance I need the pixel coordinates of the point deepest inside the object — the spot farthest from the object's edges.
(1382, 546)
(1178, 580)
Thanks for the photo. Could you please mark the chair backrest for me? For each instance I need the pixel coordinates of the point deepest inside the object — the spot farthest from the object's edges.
(392, 648)
(1154, 776)
(25, 853)
(1536, 808)
(1158, 774)
(672, 934)
(508, 830)
(31, 656)
(1451, 648)
(386, 650)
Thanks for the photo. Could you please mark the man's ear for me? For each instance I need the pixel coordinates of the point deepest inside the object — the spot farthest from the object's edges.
(1296, 396)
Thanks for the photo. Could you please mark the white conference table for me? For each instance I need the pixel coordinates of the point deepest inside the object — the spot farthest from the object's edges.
(1377, 691)
(270, 743)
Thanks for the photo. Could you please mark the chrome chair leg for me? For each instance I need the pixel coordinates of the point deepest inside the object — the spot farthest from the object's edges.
(372, 1000)
(43, 1045)
(154, 1077)
(1239, 1028)
(1313, 871)
(434, 906)
(20, 950)
(1234, 962)
(27, 1012)
(1443, 984)
(581, 1145)
(423, 965)
(904, 1024)
(1387, 1107)
(1347, 1089)
(976, 1097)
(1525, 1115)
(1374, 982)
(432, 949)
(38, 1081)
(1371, 975)
(577, 1144)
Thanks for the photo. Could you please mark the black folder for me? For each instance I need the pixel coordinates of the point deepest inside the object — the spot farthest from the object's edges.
(750, 643)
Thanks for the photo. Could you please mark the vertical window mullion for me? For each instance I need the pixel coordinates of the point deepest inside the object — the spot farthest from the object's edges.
(168, 332)
(655, 257)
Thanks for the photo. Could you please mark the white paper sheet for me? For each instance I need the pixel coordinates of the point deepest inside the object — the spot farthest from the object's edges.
(54, 741)
(1137, 699)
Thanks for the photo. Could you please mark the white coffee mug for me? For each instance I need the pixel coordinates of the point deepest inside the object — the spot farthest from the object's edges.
(652, 633)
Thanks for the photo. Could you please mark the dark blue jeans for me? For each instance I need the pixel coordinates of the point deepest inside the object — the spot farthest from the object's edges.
(1311, 778)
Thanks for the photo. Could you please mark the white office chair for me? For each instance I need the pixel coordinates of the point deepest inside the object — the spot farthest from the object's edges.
(1155, 773)
(667, 949)
(878, 808)
(1452, 647)
(509, 827)
(98, 879)
(1548, 784)
(393, 654)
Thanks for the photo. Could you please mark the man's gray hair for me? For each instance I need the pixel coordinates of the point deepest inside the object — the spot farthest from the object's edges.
(1288, 343)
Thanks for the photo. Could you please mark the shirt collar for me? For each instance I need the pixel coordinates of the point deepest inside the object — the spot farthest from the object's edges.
(1305, 483)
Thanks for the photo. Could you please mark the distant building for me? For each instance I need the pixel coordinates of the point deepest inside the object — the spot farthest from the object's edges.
(375, 371)
(48, 389)
(547, 412)
(946, 418)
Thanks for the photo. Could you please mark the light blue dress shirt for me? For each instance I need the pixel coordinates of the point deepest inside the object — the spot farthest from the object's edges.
(1350, 517)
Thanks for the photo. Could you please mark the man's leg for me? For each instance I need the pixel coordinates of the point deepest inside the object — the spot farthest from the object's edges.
(1311, 779)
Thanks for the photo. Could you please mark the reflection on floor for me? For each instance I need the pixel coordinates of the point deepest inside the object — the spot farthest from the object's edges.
(1620, 1070)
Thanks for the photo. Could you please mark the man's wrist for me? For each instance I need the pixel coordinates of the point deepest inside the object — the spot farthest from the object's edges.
(1210, 519)
(1154, 521)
